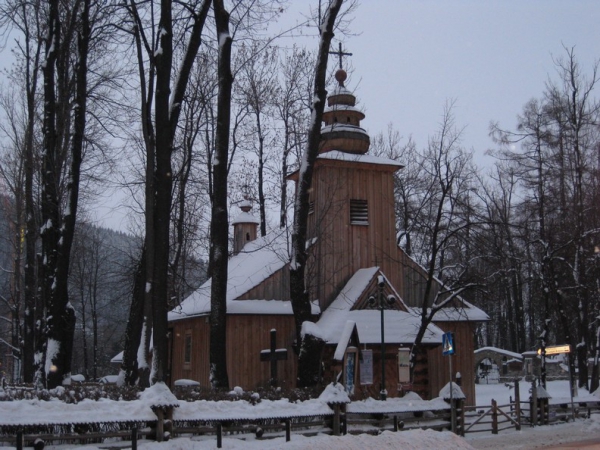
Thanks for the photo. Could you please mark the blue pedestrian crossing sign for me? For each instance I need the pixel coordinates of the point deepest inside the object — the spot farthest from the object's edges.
(448, 343)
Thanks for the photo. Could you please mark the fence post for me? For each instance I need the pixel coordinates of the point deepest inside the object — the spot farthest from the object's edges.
(20, 440)
(534, 404)
(461, 417)
(219, 435)
(544, 411)
(288, 430)
(494, 417)
(518, 405)
(395, 423)
(134, 436)
(336, 419)
(160, 424)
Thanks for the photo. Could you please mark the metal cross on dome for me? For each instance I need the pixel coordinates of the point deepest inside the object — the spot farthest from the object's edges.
(340, 53)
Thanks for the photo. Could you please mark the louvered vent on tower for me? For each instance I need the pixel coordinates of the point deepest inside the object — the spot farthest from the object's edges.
(359, 212)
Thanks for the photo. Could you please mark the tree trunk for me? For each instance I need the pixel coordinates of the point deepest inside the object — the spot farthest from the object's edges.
(64, 329)
(298, 292)
(219, 222)
(150, 300)
(135, 325)
(163, 183)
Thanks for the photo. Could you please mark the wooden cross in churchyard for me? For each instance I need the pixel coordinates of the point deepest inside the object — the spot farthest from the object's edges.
(340, 54)
(273, 355)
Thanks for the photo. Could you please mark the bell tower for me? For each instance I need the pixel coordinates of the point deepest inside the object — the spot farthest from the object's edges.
(244, 227)
(351, 221)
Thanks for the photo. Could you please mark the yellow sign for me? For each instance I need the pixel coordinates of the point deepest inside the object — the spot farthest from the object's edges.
(556, 349)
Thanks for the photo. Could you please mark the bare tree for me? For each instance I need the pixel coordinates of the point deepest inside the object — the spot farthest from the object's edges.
(257, 81)
(292, 107)
(440, 229)
(25, 17)
(409, 183)
(558, 137)
(57, 229)
(309, 353)
(219, 234)
(154, 43)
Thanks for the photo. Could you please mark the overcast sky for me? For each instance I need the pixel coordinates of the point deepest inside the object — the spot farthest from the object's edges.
(410, 56)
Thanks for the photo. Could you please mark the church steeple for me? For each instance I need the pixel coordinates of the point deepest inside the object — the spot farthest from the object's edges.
(342, 129)
(244, 227)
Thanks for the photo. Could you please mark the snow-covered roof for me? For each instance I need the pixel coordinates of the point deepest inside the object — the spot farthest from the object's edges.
(340, 90)
(352, 157)
(466, 312)
(345, 336)
(159, 395)
(501, 351)
(400, 327)
(338, 107)
(258, 260)
(334, 127)
(457, 393)
(334, 394)
(244, 217)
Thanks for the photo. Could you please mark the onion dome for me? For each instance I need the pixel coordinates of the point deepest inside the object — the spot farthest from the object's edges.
(342, 129)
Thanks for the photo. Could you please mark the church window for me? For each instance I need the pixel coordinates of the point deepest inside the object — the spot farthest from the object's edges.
(187, 351)
(359, 212)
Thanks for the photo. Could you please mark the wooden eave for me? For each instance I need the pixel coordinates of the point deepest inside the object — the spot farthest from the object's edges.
(372, 289)
(362, 165)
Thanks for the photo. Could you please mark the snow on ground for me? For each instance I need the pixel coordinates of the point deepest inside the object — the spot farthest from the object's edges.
(537, 437)
(406, 440)
(527, 438)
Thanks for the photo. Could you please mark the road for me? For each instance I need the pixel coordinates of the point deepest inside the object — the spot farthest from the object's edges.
(588, 444)
(580, 434)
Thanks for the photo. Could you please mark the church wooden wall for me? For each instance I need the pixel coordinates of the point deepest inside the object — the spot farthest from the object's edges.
(276, 287)
(463, 360)
(341, 247)
(198, 368)
(333, 368)
(414, 283)
(247, 335)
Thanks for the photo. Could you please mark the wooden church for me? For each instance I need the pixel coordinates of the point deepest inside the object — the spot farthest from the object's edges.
(358, 277)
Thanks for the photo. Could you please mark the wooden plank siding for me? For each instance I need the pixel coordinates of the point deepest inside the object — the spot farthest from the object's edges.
(341, 247)
(332, 369)
(463, 360)
(198, 368)
(276, 287)
(247, 335)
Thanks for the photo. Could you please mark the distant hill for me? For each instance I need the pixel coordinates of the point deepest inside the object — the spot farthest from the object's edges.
(100, 284)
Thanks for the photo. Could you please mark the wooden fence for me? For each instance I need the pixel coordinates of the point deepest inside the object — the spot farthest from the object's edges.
(493, 418)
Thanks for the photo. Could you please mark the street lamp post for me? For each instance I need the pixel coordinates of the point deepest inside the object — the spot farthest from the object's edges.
(380, 302)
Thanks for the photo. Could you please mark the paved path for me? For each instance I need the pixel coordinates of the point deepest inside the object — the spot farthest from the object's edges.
(572, 436)
(587, 444)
